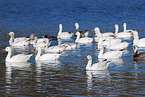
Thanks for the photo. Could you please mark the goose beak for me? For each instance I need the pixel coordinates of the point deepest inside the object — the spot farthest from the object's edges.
(34, 49)
(132, 33)
(132, 37)
(104, 39)
(86, 58)
(93, 31)
(3, 49)
(96, 47)
(132, 48)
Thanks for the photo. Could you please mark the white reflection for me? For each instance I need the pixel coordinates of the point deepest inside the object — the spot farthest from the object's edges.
(49, 63)
(10, 66)
(40, 65)
(96, 75)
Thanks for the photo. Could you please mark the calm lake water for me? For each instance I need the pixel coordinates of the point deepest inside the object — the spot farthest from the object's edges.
(67, 76)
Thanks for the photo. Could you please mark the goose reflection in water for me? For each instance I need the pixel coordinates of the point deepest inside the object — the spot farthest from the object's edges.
(10, 66)
(98, 76)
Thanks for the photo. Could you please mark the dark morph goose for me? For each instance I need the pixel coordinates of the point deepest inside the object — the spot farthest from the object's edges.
(138, 56)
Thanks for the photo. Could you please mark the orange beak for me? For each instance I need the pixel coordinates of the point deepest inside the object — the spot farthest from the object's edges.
(34, 49)
(96, 47)
(94, 31)
(86, 58)
(104, 39)
(132, 48)
(131, 33)
(3, 49)
(132, 37)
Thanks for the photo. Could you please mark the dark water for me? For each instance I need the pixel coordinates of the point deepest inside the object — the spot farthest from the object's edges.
(67, 76)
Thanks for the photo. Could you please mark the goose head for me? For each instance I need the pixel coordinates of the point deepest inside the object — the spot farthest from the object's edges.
(32, 36)
(88, 57)
(135, 33)
(60, 25)
(77, 26)
(11, 33)
(7, 49)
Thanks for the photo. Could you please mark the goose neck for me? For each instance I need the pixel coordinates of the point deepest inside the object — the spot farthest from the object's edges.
(136, 39)
(11, 39)
(77, 27)
(38, 53)
(78, 37)
(101, 52)
(116, 29)
(124, 26)
(89, 63)
(8, 55)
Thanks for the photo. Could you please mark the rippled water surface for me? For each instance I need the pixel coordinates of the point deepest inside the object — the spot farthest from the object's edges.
(67, 76)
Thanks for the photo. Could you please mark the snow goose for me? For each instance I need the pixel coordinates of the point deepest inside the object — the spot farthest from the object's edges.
(64, 35)
(117, 45)
(16, 58)
(41, 42)
(125, 34)
(56, 49)
(96, 66)
(82, 33)
(137, 56)
(110, 54)
(46, 56)
(83, 40)
(106, 34)
(104, 42)
(137, 41)
(21, 41)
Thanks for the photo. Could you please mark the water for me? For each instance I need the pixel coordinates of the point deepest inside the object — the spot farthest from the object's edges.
(67, 76)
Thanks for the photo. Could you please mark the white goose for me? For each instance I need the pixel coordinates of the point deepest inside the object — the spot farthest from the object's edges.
(83, 40)
(106, 34)
(21, 41)
(117, 45)
(63, 35)
(125, 34)
(56, 49)
(96, 66)
(82, 33)
(110, 54)
(137, 41)
(98, 34)
(16, 58)
(47, 56)
(41, 42)
(105, 41)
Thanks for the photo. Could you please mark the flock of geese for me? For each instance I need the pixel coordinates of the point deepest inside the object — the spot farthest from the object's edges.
(107, 40)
